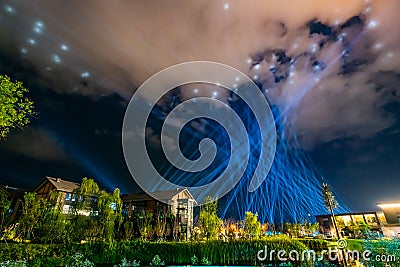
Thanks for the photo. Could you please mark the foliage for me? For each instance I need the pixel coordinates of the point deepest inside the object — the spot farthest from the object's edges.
(15, 107)
(388, 252)
(194, 260)
(209, 220)
(78, 260)
(33, 210)
(252, 227)
(241, 252)
(156, 261)
(13, 264)
(85, 195)
(329, 199)
(110, 208)
(52, 227)
(144, 220)
(126, 263)
(205, 261)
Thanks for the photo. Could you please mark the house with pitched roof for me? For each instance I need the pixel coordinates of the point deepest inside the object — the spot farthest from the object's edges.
(66, 189)
(178, 203)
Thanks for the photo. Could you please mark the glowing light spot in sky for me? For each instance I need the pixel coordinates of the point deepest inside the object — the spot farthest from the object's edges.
(255, 77)
(372, 24)
(196, 91)
(24, 51)
(9, 9)
(56, 59)
(390, 54)
(64, 47)
(257, 67)
(215, 93)
(314, 48)
(378, 46)
(237, 79)
(32, 41)
(38, 27)
(249, 60)
(226, 6)
(85, 74)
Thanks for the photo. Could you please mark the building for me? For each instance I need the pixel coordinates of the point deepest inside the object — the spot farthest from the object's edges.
(345, 221)
(66, 189)
(178, 203)
(391, 212)
(15, 195)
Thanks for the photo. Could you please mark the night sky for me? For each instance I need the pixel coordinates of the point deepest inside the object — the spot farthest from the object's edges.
(83, 60)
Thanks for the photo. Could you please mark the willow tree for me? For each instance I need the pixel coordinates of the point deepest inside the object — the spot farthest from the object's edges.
(209, 220)
(15, 107)
(110, 217)
(84, 203)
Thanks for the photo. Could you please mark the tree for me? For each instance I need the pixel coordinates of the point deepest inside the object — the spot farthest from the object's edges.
(110, 207)
(252, 227)
(33, 210)
(209, 220)
(144, 221)
(15, 107)
(52, 227)
(84, 196)
(331, 204)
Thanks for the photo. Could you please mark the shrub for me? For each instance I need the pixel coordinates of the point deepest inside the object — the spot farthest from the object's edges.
(205, 261)
(194, 260)
(13, 264)
(126, 263)
(156, 261)
(78, 260)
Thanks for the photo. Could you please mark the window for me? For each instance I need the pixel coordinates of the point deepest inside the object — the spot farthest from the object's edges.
(67, 196)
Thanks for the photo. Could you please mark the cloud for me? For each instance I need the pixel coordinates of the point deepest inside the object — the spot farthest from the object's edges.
(114, 47)
(35, 143)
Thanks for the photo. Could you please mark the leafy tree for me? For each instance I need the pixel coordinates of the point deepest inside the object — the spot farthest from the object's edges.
(85, 196)
(252, 227)
(209, 220)
(52, 227)
(160, 224)
(33, 210)
(14, 105)
(144, 221)
(110, 208)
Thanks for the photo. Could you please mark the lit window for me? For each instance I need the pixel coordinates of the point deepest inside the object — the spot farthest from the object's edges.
(67, 196)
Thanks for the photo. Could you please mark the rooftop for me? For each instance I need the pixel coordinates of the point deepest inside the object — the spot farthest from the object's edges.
(63, 185)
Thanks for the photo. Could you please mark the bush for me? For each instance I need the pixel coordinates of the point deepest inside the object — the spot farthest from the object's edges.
(13, 264)
(243, 252)
(388, 252)
(126, 263)
(78, 260)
